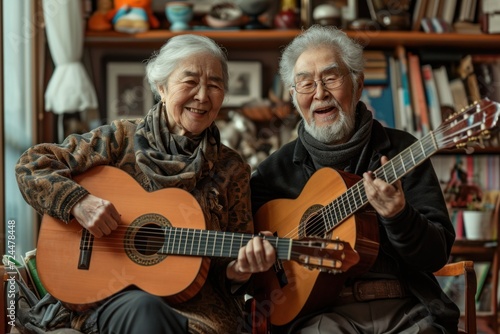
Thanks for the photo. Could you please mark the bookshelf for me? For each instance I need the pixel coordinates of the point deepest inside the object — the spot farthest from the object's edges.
(265, 46)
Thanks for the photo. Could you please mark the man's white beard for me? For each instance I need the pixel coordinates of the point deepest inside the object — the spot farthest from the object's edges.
(332, 133)
(338, 131)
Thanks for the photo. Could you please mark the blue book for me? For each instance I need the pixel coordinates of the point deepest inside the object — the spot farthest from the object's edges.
(378, 99)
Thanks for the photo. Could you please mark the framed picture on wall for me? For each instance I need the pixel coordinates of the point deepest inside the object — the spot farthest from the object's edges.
(128, 94)
(245, 83)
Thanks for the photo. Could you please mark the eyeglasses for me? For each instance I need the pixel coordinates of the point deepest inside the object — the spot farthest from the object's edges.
(309, 86)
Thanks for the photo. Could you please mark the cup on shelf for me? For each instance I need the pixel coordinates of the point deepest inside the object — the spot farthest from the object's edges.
(179, 14)
(478, 225)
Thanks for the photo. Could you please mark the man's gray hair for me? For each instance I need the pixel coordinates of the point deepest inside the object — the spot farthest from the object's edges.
(349, 52)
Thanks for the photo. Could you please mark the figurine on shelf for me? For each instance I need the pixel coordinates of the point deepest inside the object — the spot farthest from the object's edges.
(132, 16)
(224, 15)
(253, 9)
(459, 191)
(287, 16)
(327, 14)
(98, 21)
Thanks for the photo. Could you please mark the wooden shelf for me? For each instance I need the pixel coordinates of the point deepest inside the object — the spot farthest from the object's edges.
(478, 250)
(251, 39)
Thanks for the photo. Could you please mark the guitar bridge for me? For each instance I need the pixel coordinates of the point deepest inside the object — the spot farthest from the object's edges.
(280, 270)
(86, 244)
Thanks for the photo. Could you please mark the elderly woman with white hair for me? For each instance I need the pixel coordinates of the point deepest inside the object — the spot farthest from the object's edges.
(177, 144)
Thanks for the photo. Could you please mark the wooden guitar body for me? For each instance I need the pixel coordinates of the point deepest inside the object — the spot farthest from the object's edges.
(160, 247)
(115, 261)
(306, 290)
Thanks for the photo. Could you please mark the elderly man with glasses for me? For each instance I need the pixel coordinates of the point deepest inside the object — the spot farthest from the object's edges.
(392, 289)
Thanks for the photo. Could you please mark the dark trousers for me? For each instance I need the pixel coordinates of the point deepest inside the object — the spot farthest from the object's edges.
(135, 311)
(390, 316)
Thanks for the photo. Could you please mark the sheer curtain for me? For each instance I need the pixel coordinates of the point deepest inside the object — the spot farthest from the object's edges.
(17, 132)
(69, 88)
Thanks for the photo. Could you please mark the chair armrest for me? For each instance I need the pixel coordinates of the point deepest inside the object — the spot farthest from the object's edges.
(465, 268)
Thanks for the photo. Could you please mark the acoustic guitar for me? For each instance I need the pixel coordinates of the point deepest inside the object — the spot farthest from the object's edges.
(332, 205)
(162, 246)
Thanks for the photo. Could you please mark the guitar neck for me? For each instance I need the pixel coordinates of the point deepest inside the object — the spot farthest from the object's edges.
(194, 242)
(355, 197)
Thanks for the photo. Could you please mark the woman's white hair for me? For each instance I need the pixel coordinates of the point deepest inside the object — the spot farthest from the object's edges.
(161, 64)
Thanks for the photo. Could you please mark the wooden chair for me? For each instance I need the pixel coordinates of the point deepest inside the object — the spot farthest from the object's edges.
(465, 268)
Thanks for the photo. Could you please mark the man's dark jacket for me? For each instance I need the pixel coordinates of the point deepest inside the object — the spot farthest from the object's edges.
(419, 239)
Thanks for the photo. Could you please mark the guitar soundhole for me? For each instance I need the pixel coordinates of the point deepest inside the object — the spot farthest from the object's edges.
(149, 239)
(144, 239)
(311, 224)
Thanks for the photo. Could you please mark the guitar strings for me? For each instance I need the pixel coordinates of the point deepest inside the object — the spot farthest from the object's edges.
(319, 221)
(210, 237)
(334, 210)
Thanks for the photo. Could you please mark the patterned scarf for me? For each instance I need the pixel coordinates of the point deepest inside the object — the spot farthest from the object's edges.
(339, 156)
(170, 160)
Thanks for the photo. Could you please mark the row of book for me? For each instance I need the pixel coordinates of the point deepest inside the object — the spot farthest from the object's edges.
(463, 16)
(416, 92)
(26, 271)
(481, 169)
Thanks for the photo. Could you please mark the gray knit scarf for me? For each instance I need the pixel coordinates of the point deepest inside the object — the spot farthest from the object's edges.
(170, 160)
(339, 156)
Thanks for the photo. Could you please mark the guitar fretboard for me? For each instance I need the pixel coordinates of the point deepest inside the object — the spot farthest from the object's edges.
(355, 197)
(194, 242)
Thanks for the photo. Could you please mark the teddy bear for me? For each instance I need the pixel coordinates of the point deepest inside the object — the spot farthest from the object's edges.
(132, 16)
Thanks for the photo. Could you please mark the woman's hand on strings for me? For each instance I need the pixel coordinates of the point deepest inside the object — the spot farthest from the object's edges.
(96, 215)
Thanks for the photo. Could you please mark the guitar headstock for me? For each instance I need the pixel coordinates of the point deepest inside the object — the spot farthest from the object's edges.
(332, 256)
(472, 125)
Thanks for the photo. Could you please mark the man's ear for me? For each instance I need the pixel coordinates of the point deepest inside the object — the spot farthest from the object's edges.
(361, 85)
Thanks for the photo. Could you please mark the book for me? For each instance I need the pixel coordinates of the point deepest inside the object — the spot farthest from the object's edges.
(378, 99)
(432, 8)
(490, 6)
(419, 102)
(405, 89)
(459, 224)
(30, 263)
(466, 72)
(375, 67)
(444, 91)
(375, 76)
(490, 23)
(459, 94)
(375, 58)
(448, 12)
(463, 27)
(397, 103)
(419, 11)
(482, 270)
(432, 97)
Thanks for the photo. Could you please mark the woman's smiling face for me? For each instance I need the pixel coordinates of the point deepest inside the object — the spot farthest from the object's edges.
(194, 94)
